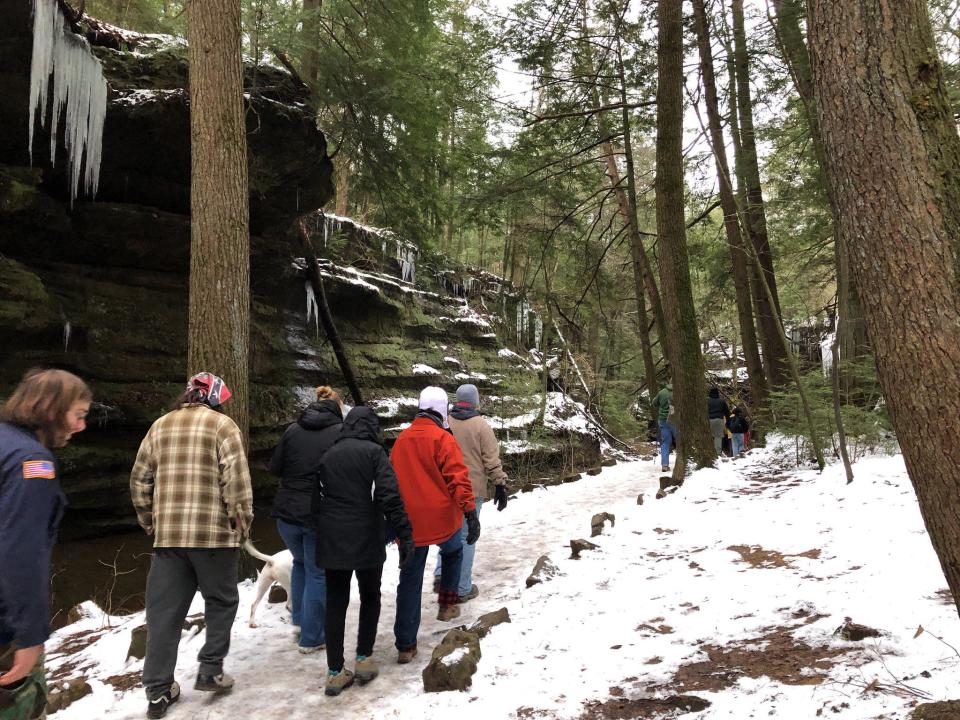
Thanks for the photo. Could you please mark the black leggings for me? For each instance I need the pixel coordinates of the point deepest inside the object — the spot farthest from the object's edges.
(338, 599)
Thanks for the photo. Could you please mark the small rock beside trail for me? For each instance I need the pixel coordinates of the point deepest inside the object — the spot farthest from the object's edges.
(946, 710)
(542, 571)
(486, 622)
(598, 520)
(66, 693)
(453, 663)
(855, 632)
(578, 546)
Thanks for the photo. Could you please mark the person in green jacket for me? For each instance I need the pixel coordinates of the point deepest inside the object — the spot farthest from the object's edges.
(664, 403)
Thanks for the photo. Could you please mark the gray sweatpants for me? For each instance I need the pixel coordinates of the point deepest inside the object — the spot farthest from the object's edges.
(717, 426)
(175, 576)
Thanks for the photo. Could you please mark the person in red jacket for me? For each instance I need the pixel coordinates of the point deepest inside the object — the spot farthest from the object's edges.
(438, 496)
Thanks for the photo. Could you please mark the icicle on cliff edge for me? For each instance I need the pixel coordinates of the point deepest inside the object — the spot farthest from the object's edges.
(79, 93)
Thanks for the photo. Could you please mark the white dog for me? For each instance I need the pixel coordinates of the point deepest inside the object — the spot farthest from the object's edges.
(276, 570)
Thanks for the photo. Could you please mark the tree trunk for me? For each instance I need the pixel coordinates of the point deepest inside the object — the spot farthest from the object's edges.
(851, 326)
(749, 170)
(341, 173)
(731, 218)
(690, 391)
(892, 153)
(219, 320)
(310, 38)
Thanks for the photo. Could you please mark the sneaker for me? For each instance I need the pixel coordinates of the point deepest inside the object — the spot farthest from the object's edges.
(157, 708)
(221, 683)
(474, 591)
(338, 681)
(365, 669)
(407, 655)
(310, 649)
(448, 612)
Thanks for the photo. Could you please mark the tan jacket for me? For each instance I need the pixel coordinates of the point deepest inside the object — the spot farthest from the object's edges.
(481, 451)
(191, 481)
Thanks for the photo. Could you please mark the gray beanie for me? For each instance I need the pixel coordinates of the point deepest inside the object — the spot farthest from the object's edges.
(468, 394)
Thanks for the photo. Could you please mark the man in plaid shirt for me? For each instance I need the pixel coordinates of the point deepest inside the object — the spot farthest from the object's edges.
(190, 486)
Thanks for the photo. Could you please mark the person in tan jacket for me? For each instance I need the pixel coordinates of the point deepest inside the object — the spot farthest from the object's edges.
(481, 452)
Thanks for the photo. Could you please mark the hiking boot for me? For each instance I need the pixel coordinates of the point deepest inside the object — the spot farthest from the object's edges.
(365, 669)
(664, 468)
(448, 612)
(407, 655)
(221, 683)
(473, 592)
(338, 681)
(157, 708)
(310, 649)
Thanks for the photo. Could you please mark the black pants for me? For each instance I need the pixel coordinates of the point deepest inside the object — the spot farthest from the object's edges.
(338, 600)
(175, 575)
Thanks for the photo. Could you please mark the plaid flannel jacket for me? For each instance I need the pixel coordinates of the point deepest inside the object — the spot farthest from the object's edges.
(191, 479)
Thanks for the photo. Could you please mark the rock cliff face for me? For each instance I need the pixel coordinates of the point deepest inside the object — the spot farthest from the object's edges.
(101, 288)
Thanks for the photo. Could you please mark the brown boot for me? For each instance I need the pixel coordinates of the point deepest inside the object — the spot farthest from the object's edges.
(407, 655)
(448, 612)
(338, 681)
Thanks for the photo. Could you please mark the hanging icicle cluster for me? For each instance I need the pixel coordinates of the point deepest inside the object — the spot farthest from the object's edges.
(79, 93)
(407, 256)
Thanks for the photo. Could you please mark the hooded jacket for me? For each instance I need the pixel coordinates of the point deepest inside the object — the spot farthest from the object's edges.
(717, 408)
(433, 480)
(355, 493)
(297, 458)
(481, 451)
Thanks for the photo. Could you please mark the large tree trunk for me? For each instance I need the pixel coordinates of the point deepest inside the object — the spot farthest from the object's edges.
(690, 391)
(852, 340)
(749, 170)
(892, 156)
(731, 217)
(219, 324)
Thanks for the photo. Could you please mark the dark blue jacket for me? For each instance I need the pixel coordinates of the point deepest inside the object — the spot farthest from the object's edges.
(31, 507)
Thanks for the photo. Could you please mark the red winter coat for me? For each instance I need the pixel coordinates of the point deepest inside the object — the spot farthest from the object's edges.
(434, 481)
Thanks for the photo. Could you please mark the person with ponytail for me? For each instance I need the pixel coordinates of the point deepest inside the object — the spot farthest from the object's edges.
(295, 461)
(46, 409)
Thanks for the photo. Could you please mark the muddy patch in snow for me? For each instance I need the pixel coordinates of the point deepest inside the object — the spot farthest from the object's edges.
(622, 709)
(757, 557)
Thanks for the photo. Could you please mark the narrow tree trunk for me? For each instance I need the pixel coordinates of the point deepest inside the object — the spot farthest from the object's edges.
(341, 172)
(731, 219)
(310, 38)
(892, 151)
(837, 414)
(219, 320)
(687, 367)
(749, 171)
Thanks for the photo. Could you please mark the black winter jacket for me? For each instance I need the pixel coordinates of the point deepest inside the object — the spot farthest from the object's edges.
(717, 407)
(297, 458)
(351, 527)
(738, 423)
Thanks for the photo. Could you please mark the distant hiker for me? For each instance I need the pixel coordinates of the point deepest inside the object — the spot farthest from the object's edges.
(739, 426)
(45, 410)
(190, 486)
(664, 404)
(481, 452)
(438, 497)
(717, 411)
(295, 461)
(356, 489)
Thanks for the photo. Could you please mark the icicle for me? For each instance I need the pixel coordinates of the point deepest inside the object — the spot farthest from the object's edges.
(326, 228)
(383, 246)
(313, 309)
(79, 91)
(66, 334)
(537, 330)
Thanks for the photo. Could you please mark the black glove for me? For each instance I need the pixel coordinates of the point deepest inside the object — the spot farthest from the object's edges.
(500, 496)
(407, 551)
(473, 526)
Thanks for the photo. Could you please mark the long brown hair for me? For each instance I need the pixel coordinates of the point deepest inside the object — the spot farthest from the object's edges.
(41, 403)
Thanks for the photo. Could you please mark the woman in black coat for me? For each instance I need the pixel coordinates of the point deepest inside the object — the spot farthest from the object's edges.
(356, 496)
(296, 461)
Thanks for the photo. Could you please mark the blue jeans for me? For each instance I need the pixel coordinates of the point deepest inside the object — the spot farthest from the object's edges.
(308, 583)
(736, 444)
(410, 588)
(466, 567)
(667, 433)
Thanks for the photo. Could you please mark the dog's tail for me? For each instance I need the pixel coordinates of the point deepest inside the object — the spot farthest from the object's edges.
(248, 546)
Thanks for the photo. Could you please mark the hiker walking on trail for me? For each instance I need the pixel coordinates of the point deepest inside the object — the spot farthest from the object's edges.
(46, 409)
(717, 411)
(438, 497)
(739, 426)
(190, 486)
(356, 495)
(481, 452)
(663, 402)
(295, 461)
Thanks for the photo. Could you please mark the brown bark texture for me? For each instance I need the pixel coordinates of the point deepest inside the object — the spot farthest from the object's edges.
(219, 323)
(687, 369)
(731, 218)
(749, 171)
(887, 131)
(310, 35)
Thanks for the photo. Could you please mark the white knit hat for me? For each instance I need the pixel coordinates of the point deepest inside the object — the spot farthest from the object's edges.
(435, 398)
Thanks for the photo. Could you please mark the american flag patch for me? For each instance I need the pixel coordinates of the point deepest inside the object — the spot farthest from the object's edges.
(39, 469)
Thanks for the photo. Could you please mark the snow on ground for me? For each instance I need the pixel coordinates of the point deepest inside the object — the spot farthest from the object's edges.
(744, 552)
